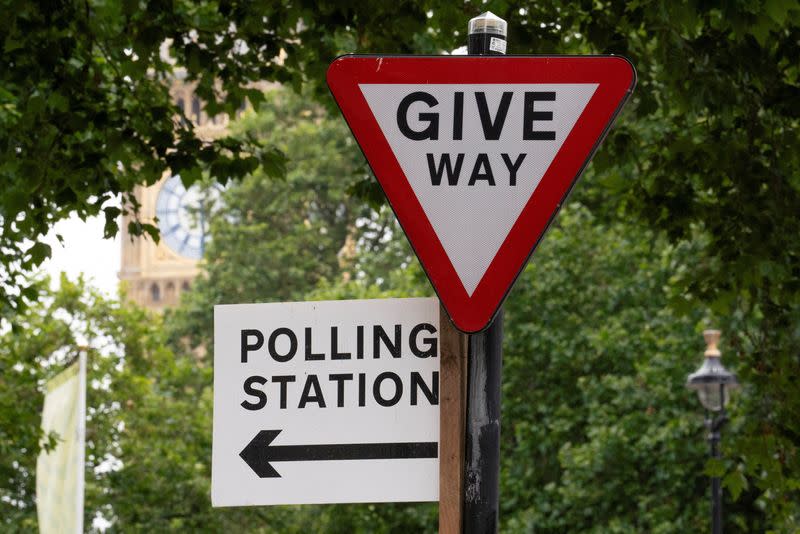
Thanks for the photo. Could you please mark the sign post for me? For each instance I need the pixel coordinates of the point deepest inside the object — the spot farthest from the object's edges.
(486, 36)
(453, 347)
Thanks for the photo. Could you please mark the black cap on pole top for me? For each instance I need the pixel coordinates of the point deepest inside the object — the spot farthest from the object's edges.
(487, 35)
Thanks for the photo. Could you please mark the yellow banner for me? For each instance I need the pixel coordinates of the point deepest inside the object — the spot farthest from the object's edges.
(59, 472)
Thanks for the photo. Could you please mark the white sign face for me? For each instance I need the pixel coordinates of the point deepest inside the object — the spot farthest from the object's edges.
(474, 156)
(326, 402)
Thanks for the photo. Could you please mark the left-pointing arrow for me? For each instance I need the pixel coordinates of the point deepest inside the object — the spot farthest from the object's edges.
(259, 452)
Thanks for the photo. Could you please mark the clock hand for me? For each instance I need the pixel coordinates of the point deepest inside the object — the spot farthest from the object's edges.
(185, 242)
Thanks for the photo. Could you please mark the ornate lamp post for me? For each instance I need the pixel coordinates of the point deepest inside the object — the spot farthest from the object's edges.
(713, 384)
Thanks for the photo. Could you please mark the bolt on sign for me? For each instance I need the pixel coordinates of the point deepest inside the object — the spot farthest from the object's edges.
(476, 154)
(326, 402)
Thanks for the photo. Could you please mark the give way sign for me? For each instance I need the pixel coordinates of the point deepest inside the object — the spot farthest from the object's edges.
(476, 155)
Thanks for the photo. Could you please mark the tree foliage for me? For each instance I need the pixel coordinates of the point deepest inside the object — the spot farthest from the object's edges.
(599, 431)
(85, 111)
(707, 153)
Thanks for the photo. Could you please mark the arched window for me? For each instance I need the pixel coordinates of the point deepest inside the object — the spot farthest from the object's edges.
(185, 286)
(196, 109)
(181, 103)
(169, 292)
(155, 292)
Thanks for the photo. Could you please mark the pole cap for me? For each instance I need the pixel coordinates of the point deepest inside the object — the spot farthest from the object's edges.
(712, 340)
(488, 22)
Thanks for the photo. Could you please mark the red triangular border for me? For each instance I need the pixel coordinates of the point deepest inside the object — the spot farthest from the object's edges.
(615, 77)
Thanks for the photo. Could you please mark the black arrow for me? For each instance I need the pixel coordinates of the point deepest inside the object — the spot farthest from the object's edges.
(259, 453)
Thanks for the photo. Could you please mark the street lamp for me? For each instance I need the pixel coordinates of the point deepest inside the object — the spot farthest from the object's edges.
(713, 384)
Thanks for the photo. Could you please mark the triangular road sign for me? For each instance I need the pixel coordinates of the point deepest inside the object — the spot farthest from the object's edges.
(476, 155)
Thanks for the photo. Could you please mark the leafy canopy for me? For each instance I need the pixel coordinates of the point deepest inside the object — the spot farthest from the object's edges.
(85, 111)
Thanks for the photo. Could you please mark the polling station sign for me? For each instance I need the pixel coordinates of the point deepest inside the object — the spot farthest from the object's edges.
(326, 402)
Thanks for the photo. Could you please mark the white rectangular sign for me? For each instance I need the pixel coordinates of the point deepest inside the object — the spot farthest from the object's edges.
(326, 402)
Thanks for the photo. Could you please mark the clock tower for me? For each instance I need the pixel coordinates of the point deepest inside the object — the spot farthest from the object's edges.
(155, 274)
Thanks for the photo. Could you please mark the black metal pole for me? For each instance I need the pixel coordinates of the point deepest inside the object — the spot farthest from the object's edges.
(482, 455)
(716, 497)
(487, 36)
(714, 437)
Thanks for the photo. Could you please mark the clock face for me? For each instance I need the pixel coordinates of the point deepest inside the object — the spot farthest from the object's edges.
(183, 215)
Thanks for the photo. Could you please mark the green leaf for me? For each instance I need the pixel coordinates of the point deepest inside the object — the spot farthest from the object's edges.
(274, 162)
(779, 9)
(714, 467)
(39, 252)
(736, 482)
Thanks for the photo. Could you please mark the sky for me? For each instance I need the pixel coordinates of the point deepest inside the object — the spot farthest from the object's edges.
(85, 251)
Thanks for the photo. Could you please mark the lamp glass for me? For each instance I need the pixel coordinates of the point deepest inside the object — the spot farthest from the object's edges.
(713, 396)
